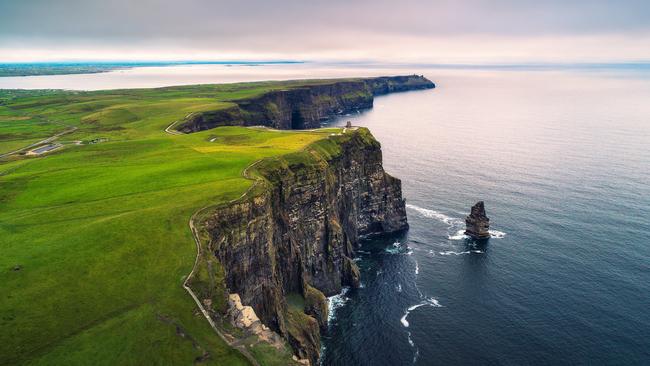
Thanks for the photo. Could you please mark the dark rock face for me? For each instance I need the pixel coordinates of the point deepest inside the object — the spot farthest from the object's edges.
(391, 84)
(477, 223)
(304, 107)
(300, 234)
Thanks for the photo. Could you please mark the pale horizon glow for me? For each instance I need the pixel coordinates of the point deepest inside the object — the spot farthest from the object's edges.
(415, 31)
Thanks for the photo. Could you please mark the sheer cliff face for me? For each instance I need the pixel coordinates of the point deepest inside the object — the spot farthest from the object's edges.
(304, 107)
(300, 233)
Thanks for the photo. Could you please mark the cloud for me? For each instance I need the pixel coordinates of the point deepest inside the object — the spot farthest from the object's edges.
(335, 28)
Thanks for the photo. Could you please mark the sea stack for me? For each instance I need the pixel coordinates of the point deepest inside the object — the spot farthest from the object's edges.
(477, 223)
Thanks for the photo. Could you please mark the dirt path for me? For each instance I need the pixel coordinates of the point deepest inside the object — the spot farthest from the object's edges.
(235, 344)
(171, 131)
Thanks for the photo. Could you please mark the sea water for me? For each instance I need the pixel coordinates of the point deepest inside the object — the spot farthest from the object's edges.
(562, 161)
(561, 157)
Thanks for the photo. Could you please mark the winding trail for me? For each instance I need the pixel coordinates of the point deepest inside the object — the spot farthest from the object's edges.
(234, 344)
(171, 131)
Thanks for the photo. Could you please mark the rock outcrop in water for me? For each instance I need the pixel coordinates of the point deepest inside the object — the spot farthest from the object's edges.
(296, 235)
(477, 223)
(304, 106)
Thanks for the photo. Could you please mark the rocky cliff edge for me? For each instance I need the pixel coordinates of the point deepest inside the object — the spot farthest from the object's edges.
(293, 236)
(305, 105)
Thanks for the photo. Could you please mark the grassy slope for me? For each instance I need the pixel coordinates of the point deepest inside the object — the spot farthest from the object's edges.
(100, 231)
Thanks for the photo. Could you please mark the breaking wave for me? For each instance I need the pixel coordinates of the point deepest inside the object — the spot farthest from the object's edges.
(427, 302)
(460, 235)
(452, 222)
(398, 248)
(451, 252)
(335, 302)
(435, 215)
(496, 234)
(416, 354)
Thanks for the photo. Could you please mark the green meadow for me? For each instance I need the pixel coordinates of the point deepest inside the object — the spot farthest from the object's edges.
(94, 237)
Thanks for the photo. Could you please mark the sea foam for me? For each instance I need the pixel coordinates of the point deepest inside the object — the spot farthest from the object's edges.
(451, 252)
(335, 302)
(496, 234)
(427, 302)
(435, 215)
(398, 248)
(452, 222)
(460, 235)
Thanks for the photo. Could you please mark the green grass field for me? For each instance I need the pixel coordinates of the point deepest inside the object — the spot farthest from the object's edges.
(94, 238)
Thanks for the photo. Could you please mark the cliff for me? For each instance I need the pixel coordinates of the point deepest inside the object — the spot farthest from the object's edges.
(303, 106)
(295, 234)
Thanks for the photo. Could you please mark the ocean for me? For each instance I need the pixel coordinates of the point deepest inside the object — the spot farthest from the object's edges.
(562, 161)
(561, 157)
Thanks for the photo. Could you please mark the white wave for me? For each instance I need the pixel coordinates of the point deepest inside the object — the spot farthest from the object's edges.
(451, 221)
(435, 215)
(460, 235)
(335, 302)
(417, 268)
(427, 302)
(451, 252)
(404, 321)
(392, 250)
(496, 234)
(416, 354)
(398, 248)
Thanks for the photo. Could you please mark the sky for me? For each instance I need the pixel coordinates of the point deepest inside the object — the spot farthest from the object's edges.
(415, 31)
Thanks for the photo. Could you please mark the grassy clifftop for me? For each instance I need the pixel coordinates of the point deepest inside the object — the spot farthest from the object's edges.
(94, 237)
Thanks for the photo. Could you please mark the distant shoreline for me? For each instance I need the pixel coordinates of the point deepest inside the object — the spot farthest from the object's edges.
(70, 68)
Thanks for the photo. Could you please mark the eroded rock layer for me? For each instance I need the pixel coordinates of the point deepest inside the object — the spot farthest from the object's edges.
(305, 106)
(298, 234)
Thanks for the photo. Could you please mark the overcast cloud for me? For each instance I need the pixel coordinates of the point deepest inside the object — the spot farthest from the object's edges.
(407, 30)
